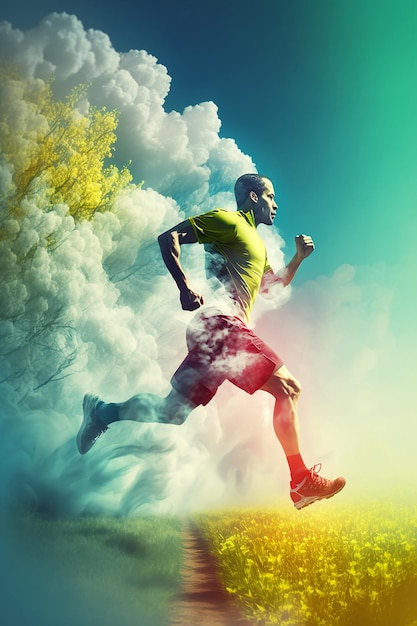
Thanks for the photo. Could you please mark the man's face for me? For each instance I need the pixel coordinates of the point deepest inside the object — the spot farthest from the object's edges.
(265, 207)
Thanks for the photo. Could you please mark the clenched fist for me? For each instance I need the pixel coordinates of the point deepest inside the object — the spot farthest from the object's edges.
(190, 300)
(304, 246)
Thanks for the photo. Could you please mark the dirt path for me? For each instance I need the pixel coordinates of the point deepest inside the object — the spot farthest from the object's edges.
(202, 601)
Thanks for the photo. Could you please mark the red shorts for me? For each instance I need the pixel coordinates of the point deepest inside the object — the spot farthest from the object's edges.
(221, 347)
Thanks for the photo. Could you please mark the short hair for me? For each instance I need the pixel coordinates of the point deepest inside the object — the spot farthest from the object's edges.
(247, 183)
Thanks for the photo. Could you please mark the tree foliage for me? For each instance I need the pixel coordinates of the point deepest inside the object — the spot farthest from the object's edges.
(57, 150)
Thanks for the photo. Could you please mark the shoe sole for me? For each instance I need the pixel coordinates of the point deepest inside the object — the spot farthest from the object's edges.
(85, 418)
(300, 505)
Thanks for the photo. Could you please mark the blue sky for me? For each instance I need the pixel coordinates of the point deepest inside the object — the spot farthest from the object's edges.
(322, 96)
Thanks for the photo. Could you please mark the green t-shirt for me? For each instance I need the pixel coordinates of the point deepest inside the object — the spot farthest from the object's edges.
(236, 254)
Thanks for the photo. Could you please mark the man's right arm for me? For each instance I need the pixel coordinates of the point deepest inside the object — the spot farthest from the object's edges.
(170, 243)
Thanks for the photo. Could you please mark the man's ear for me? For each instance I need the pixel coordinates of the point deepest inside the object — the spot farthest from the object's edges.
(253, 196)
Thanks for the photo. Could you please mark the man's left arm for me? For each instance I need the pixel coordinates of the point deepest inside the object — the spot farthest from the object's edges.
(304, 246)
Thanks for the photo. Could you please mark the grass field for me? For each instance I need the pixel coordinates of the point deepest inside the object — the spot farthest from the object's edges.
(102, 571)
(325, 566)
(352, 566)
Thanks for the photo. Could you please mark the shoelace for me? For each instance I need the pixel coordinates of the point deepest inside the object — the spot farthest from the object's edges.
(317, 480)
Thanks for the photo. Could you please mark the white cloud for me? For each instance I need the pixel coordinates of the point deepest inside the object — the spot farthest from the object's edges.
(179, 154)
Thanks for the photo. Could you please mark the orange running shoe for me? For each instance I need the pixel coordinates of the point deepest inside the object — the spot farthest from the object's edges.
(314, 487)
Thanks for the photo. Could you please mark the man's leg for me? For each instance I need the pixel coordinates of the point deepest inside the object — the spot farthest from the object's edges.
(188, 390)
(306, 485)
(147, 407)
(286, 391)
(174, 409)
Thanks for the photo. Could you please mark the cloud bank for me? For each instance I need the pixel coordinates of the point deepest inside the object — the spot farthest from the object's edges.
(177, 154)
(98, 311)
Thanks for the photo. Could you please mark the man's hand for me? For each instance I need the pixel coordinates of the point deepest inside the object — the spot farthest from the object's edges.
(190, 300)
(304, 246)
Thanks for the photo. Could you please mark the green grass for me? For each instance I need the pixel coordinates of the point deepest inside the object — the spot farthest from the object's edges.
(334, 566)
(125, 569)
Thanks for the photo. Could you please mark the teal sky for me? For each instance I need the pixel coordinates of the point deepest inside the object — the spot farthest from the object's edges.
(322, 95)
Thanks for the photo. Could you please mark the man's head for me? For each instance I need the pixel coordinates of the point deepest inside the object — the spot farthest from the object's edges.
(256, 193)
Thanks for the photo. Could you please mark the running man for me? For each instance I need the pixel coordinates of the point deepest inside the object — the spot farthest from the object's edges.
(220, 344)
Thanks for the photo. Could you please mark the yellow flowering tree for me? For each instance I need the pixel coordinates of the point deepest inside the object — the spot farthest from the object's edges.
(55, 148)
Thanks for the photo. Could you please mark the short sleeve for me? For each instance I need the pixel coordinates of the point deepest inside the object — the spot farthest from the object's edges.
(218, 225)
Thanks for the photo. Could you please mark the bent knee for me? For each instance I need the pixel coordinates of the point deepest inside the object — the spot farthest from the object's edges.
(283, 382)
(176, 409)
(296, 386)
(175, 418)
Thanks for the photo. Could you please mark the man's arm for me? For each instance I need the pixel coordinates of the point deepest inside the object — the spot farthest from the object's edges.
(170, 243)
(304, 246)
